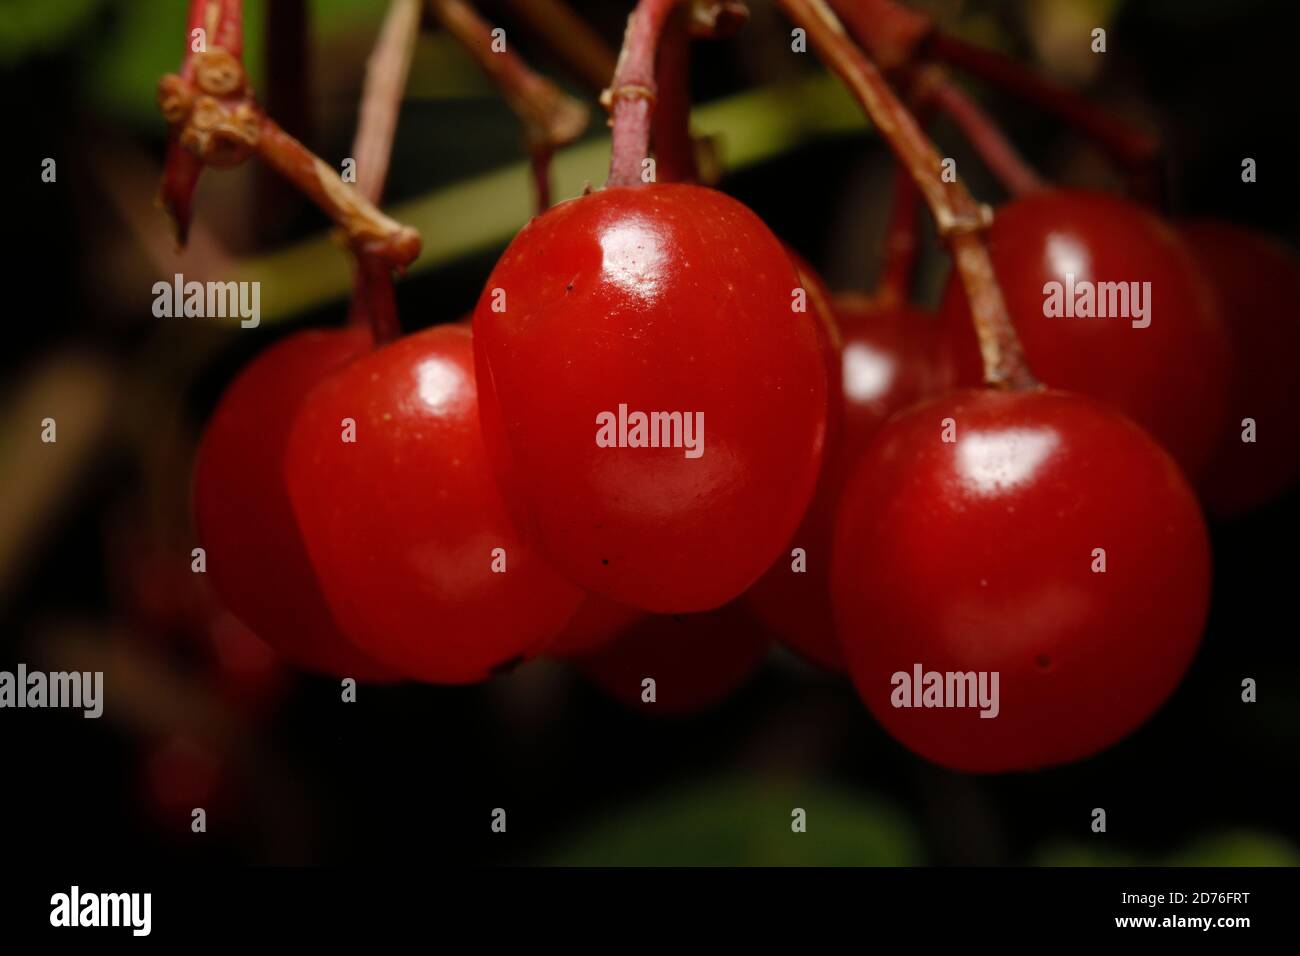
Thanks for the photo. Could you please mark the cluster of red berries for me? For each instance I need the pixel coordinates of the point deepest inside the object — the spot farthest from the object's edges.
(442, 507)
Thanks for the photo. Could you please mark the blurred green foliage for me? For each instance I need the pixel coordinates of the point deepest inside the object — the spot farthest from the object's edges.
(1225, 848)
(36, 27)
(747, 822)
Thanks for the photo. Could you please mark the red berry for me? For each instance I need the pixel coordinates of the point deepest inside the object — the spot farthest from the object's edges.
(663, 298)
(1170, 377)
(885, 367)
(254, 552)
(979, 556)
(1257, 281)
(822, 306)
(405, 525)
(695, 660)
(598, 621)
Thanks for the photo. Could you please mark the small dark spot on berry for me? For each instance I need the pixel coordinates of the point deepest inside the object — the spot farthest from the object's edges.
(569, 287)
(505, 667)
(1043, 661)
(605, 561)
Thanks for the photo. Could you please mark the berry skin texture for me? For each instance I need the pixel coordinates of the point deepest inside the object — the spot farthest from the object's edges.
(256, 560)
(1170, 377)
(403, 524)
(886, 366)
(696, 660)
(662, 298)
(978, 555)
(1257, 281)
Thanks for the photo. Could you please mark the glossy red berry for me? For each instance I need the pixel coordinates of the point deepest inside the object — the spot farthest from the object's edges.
(404, 524)
(694, 660)
(983, 554)
(886, 365)
(665, 298)
(255, 558)
(1171, 376)
(1257, 281)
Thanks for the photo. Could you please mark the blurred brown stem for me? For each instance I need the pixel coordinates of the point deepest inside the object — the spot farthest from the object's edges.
(569, 37)
(982, 132)
(896, 36)
(551, 118)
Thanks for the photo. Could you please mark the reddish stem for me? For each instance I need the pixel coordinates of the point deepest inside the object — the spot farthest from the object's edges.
(1138, 151)
(180, 178)
(374, 301)
(959, 218)
(540, 163)
(901, 245)
(373, 298)
(222, 22)
(671, 128)
(631, 95)
(998, 153)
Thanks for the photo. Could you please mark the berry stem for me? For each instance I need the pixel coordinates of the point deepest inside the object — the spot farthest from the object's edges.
(1138, 152)
(214, 118)
(980, 130)
(569, 37)
(222, 23)
(551, 117)
(671, 125)
(373, 299)
(960, 220)
(631, 95)
(180, 179)
(381, 96)
(900, 246)
(896, 36)
(367, 230)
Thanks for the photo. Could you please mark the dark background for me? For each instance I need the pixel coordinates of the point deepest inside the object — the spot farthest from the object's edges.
(94, 542)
